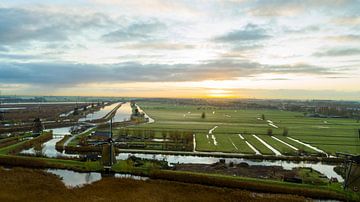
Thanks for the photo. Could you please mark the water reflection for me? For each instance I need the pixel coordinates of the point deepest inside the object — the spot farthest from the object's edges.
(123, 113)
(99, 114)
(75, 179)
(48, 148)
(326, 169)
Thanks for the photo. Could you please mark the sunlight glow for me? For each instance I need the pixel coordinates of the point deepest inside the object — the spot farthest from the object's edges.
(219, 93)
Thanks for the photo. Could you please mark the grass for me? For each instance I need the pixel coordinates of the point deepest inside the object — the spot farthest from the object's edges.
(332, 135)
(77, 139)
(253, 184)
(35, 185)
(283, 148)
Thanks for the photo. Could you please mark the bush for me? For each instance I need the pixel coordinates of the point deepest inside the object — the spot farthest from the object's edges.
(286, 131)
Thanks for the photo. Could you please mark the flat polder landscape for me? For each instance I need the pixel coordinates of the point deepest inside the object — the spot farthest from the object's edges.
(228, 130)
(179, 100)
(212, 144)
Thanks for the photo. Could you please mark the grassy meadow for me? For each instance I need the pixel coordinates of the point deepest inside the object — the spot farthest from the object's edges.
(328, 134)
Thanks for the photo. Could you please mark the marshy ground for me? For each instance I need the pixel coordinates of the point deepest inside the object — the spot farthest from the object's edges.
(19, 184)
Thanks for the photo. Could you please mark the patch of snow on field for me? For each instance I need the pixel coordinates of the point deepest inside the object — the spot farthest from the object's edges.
(322, 127)
(227, 115)
(308, 145)
(253, 148)
(277, 153)
(259, 119)
(241, 137)
(272, 124)
(194, 143)
(214, 139)
(233, 143)
(289, 145)
(213, 112)
(213, 136)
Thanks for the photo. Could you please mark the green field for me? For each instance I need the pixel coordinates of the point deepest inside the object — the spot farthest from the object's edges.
(328, 134)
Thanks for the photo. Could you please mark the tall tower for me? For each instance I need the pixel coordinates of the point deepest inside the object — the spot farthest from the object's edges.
(108, 152)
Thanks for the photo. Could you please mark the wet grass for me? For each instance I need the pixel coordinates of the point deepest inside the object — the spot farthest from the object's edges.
(331, 135)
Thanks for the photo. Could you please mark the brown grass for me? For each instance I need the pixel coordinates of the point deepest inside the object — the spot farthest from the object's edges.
(35, 185)
(254, 185)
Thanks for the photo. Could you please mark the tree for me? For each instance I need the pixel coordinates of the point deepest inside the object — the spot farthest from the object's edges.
(37, 126)
(75, 112)
(286, 131)
(263, 117)
(203, 115)
(269, 131)
(164, 134)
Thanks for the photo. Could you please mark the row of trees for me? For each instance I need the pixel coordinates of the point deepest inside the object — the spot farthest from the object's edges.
(174, 136)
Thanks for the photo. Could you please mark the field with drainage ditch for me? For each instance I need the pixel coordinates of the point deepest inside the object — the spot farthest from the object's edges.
(250, 131)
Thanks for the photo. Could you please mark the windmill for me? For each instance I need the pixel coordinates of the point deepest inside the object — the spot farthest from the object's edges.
(108, 151)
(352, 171)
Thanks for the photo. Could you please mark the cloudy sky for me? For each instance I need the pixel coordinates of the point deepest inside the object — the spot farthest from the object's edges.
(187, 48)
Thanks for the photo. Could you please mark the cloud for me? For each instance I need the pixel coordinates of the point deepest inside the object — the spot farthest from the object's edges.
(355, 20)
(153, 7)
(250, 32)
(307, 29)
(139, 31)
(19, 25)
(159, 46)
(18, 56)
(338, 52)
(64, 74)
(345, 38)
(300, 69)
(275, 8)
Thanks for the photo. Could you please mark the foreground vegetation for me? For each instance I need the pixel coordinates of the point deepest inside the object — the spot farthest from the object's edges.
(155, 170)
(35, 185)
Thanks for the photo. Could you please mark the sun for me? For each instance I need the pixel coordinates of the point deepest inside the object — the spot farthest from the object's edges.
(220, 93)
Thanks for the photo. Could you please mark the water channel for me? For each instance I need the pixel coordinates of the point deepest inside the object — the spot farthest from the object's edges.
(76, 179)
(71, 178)
(326, 169)
(99, 114)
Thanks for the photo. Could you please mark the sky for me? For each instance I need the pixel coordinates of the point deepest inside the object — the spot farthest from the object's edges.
(285, 49)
